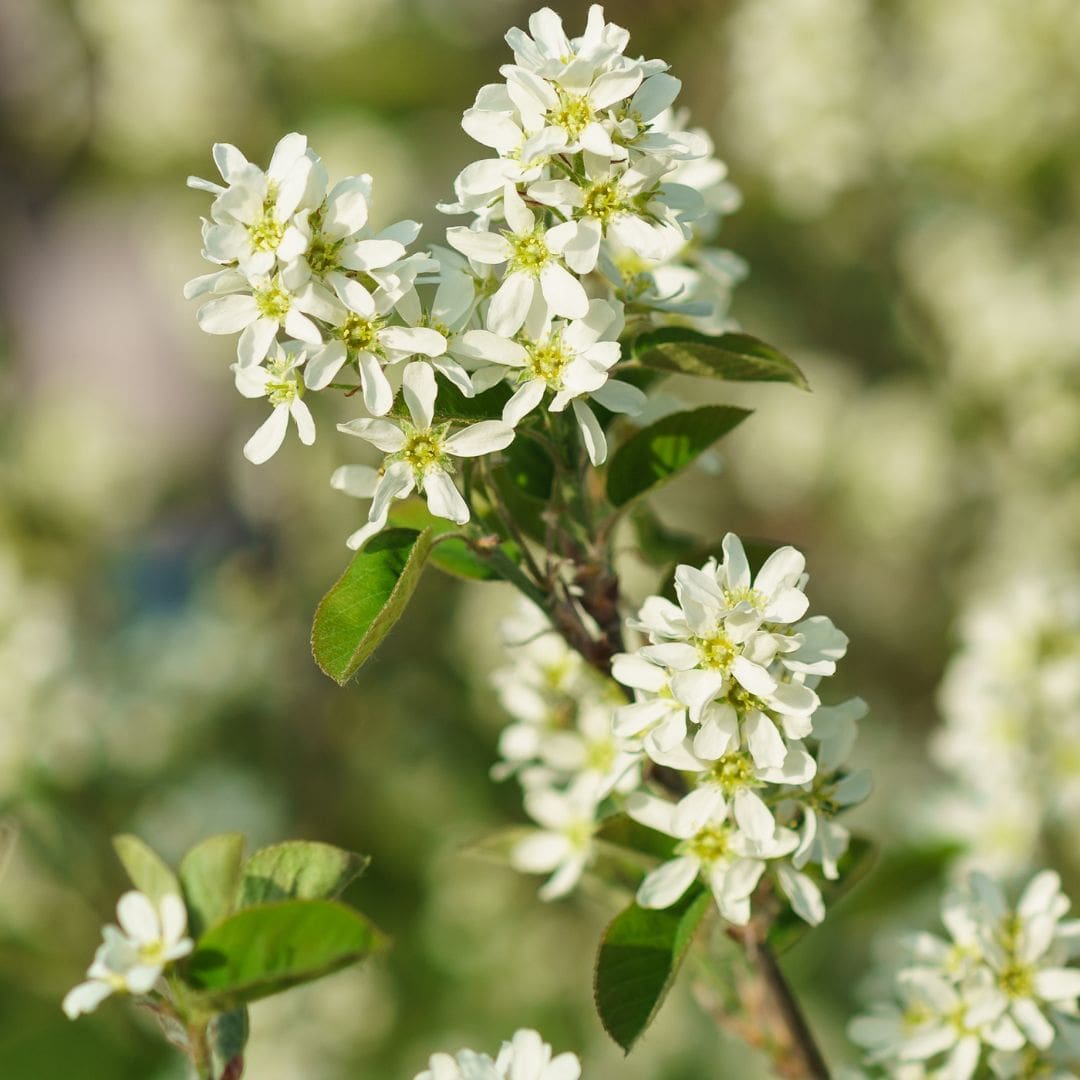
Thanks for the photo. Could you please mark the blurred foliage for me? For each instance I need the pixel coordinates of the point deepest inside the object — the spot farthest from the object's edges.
(912, 199)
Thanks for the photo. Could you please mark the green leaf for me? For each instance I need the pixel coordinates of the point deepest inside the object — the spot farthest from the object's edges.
(657, 543)
(452, 404)
(787, 928)
(366, 601)
(149, 872)
(298, 870)
(265, 949)
(736, 357)
(623, 831)
(655, 453)
(525, 480)
(639, 957)
(454, 557)
(210, 876)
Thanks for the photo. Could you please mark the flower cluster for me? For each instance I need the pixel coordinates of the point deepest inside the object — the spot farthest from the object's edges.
(1011, 705)
(562, 747)
(524, 1057)
(315, 293)
(999, 993)
(724, 693)
(133, 955)
(592, 213)
(588, 213)
(723, 697)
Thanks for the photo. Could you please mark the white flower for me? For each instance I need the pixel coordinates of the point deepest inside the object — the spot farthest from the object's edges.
(279, 381)
(133, 956)
(1003, 984)
(715, 850)
(569, 359)
(532, 267)
(364, 335)
(524, 1057)
(729, 641)
(252, 216)
(527, 1057)
(616, 202)
(281, 302)
(338, 245)
(562, 847)
(419, 456)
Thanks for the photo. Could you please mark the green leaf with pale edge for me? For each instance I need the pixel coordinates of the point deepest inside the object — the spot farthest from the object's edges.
(366, 601)
(454, 557)
(149, 872)
(210, 876)
(640, 955)
(298, 870)
(787, 928)
(228, 1036)
(655, 453)
(623, 831)
(736, 357)
(265, 949)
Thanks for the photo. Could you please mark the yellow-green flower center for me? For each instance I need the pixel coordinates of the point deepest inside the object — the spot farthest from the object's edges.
(273, 302)
(573, 114)
(734, 771)
(361, 334)
(745, 594)
(716, 652)
(579, 833)
(1016, 980)
(529, 252)
(709, 845)
(265, 232)
(323, 254)
(423, 449)
(548, 360)
(600, 756)
(605, 199)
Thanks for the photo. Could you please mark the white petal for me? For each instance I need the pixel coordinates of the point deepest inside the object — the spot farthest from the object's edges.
(382, 434)
(591, 432)
(255, 342)
(420, 390)
(614, 86)
(621, 397)
(753, 816)
(227, 314)
(443, 499)
(305, 423)
(483, 438)
(524, 400)
(377, 391)
(765, 743)
(484, 247)
(664, 885)
(510, 304)
(320, 370)
(85, 998)
(138, 918)
(360, 481)
(484, 345)
(805, 896)
(563, 292)
(267, 440)
(413, 339)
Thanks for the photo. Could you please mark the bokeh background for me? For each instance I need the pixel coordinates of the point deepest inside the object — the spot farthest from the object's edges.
(911, 218)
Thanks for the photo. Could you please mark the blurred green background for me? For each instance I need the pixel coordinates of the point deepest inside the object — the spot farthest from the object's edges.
(911, 175)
